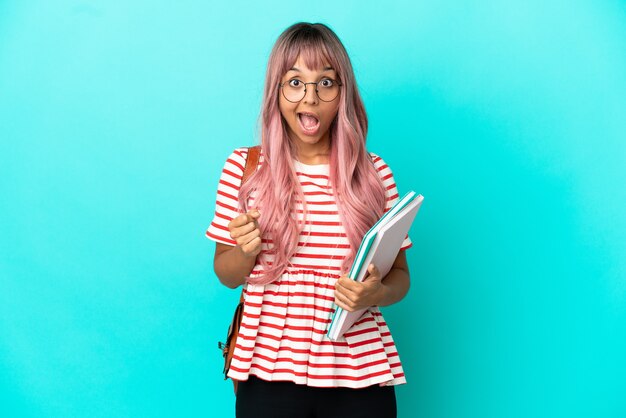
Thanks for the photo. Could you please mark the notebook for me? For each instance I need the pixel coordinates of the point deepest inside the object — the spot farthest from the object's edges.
(380, 245)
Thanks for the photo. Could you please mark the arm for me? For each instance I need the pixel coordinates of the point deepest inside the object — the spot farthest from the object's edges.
(233, 263)
(395, 285)
(374, 290)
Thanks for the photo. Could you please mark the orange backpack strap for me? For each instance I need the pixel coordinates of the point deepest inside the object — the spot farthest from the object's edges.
(252, 160)
(228, 349)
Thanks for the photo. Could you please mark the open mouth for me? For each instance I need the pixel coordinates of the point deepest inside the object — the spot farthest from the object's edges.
(309, 123)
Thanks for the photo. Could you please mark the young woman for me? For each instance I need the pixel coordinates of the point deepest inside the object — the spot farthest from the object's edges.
(290, 233)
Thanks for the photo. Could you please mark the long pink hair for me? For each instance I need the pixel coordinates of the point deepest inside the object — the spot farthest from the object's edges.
(357, 187)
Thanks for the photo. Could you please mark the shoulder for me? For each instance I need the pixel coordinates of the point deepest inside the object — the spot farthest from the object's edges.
(379, 164)
(386, 176)
(236, 161)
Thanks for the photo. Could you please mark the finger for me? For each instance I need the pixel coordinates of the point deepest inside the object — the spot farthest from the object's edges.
(245, 218)
(348, 286)
(253, 247)
(348, 302)
(341, 305)
(343, 302)
(240, 220)
(347, 296)
(242, 230)
(249, 237)
(374, 274)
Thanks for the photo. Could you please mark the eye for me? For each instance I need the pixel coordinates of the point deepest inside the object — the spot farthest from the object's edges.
(327, 82)
(295, 83)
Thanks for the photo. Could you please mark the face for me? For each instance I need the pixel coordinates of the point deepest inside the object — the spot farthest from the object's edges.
(309, 119)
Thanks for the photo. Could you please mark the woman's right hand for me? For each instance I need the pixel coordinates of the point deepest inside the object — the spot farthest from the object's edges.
(244, 229)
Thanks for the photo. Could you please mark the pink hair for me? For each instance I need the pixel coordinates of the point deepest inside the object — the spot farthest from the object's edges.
(358, 188)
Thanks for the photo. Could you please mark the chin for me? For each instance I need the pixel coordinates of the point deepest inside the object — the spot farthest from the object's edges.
(306, 139)
(310, 140)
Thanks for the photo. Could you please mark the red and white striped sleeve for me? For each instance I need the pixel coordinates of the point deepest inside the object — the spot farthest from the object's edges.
(226, 202)
(391, 189)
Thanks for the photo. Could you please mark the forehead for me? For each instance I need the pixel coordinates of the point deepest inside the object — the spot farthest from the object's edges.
(301, 67)
(309, 60)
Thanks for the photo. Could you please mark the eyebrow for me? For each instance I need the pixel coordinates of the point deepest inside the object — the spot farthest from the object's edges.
(324, 70)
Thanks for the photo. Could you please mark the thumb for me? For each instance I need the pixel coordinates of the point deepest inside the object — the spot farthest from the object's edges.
(374, 274)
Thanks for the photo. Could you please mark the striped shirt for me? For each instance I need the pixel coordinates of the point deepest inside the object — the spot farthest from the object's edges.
(283, 330)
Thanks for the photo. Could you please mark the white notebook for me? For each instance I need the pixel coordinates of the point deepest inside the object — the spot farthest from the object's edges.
(380, 245)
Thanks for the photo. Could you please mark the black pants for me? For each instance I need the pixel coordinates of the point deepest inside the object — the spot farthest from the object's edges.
(258, 398)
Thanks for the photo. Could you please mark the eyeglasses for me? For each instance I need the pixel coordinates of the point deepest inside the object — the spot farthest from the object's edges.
(294, 90)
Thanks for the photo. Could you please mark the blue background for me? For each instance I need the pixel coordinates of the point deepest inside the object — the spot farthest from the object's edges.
(509, 117)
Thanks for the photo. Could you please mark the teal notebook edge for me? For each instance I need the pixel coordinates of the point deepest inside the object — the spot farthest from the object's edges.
(366, 244)
(370, 235)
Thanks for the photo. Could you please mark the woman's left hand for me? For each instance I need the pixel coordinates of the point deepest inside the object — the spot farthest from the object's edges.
(352, 295)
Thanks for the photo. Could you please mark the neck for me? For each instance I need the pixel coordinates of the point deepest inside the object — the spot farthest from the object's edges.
(318, 153)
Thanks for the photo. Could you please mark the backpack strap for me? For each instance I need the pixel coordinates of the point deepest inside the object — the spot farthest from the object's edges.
(252, 161)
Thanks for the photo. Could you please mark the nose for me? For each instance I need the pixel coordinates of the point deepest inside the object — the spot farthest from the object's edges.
(310, 94)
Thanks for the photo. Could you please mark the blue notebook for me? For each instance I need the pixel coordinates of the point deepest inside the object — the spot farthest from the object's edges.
(380, 245)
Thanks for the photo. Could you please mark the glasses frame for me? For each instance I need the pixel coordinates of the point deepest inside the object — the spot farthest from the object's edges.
(317, 93)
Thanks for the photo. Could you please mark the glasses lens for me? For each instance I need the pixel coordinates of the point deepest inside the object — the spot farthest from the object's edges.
(293, 90)
(327, 89)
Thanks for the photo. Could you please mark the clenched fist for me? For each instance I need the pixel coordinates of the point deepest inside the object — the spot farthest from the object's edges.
(244, 229)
